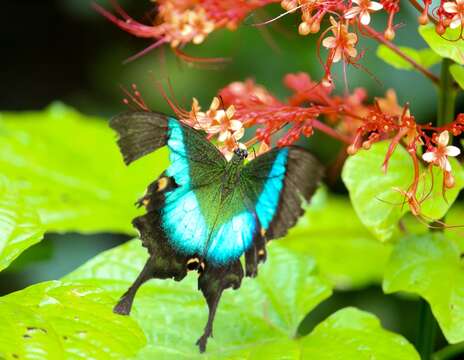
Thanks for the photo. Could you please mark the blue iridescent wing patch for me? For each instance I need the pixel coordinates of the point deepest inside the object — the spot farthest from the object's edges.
(204, 213)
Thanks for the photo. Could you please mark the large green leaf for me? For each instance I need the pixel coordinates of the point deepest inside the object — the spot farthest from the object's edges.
(375, 196)
(256, 321)
(431, 266)
(20, 226)
(55, 320)
(357, 335)
(344, 250)
(265, 309)
(436, 203)
(424, 57)
(69, 169)
(449, 45)
(372, 191)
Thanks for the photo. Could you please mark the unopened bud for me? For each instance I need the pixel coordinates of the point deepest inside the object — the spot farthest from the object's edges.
(352, 149)
(304, 28)
(315, 27)
(367, 145)
(449, 180)
(423, 19)
(389, 34)
(440, 28)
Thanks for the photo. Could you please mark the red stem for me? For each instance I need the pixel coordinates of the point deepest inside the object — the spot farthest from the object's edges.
(380, 38)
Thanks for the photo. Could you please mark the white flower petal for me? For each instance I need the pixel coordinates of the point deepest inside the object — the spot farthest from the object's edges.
(450, 7)
(329, 42)
(214, 129)
(365, 17)
(375, 6)
(456, 22)
(239, 134)
(443, 138)
(235, 125)
(351, 13)
(224, 135)
(429, 156)
(445, 164)
(351, 52)
(337, 55)
(452, 151)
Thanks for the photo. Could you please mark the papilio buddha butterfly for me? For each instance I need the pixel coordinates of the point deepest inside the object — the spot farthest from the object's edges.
(204, 213)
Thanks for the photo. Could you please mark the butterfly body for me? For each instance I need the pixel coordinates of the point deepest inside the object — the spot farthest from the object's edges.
(205, 212)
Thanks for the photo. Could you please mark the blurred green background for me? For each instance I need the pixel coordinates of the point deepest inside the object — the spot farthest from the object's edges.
(63, 50)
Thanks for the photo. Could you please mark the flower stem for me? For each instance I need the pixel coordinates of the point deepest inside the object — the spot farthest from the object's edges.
(380, 38)
(420, 8)
(427, 331)
(446, 95)
(445, 114)
(449, 352)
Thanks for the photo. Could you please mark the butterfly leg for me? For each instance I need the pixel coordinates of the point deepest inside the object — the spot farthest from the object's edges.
(124, 305)
(212, 282)
(173, 265)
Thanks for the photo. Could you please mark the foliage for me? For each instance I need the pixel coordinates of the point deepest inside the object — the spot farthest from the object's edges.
(67, 169)
(62, 172)
(20, 226)
(257, 320)
(431, 266)
(56, 320)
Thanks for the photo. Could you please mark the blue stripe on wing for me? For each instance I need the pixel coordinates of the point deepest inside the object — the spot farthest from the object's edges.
(183, 222)
(232, 239)
(179, 168)
(181, 217)
(268, 200)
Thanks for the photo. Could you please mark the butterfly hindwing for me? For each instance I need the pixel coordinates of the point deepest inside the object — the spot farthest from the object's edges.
(276, 183)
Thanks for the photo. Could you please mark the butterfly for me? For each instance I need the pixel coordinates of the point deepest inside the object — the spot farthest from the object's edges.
(204, 212)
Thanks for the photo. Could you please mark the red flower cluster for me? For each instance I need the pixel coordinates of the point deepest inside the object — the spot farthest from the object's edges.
(179, 22)
(312, 105)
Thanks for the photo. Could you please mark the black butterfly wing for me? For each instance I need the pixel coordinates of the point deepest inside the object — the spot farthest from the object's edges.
(275, 184)
(141, 133)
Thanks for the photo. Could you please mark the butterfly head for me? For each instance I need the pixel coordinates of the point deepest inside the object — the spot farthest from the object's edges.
(241, 153)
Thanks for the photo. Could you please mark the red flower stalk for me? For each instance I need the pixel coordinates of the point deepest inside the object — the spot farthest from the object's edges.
(179, 22)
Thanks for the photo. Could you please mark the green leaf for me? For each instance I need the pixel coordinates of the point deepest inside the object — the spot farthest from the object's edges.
(449, 45)
(375, 196)
(458, 74)
(424, 57)
(20, 226)
(69, 168)
(55, 320)
(345, 251)
(265, 309)
(437, 204)
(256, 321)
(353, 334)
(430, 266)
(372, 191)
(455, 220)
